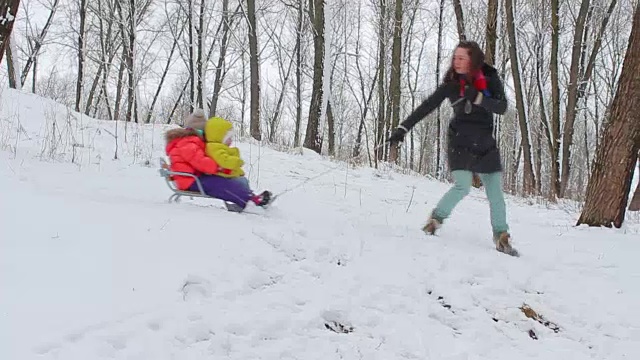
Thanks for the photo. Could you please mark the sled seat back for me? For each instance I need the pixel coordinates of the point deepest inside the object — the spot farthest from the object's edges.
(167, 175)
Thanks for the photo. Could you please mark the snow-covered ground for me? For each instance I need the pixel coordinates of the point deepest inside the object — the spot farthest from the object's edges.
(94, 264)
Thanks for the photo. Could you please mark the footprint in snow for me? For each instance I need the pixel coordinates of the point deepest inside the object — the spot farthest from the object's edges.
(196, 288)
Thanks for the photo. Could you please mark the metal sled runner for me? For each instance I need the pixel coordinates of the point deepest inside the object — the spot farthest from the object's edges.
(168, 175)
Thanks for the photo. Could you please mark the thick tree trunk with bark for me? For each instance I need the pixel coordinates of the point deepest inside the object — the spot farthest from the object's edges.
(616, 158)
(491, 32)
(312, 139)
(254, 64)
(8, 11)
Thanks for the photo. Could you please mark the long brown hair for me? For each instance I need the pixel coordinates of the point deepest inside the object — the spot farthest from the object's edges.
(476, 56)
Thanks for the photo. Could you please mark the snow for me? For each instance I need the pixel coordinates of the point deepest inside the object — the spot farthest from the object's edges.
(94, 264)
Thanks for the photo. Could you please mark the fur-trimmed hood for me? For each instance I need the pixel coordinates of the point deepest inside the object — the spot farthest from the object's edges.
(178, 133)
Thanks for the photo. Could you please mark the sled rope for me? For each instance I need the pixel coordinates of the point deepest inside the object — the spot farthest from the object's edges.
(309, 180)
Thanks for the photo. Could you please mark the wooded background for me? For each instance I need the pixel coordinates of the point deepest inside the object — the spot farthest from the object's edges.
(337, 76)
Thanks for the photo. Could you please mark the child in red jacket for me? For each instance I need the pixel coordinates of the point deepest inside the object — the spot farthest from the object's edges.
(186, 150)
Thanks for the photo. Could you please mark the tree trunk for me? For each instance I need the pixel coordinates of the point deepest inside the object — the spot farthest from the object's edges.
(116, 110)
(394, 86)
(277, 114)
(162, 78)
(192, 56)
(331, 124)
(296, 139)
(555, 101)
(217, 85)
(254, 64)
(34, 77)
(106, 51)
(529, 176)
(365, 108)
(38, 44)
(439, 167)
(200, 61)
(131, 38)
(8, 11)
(545, 127)
(81, 44)
(457, 8)
(92, 91)
(312, 139)
(382, 43)
(572, 97)
(11, 70)
(610, 182)
(491, 32)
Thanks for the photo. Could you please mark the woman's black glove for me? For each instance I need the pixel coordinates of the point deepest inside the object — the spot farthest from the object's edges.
(397, 135)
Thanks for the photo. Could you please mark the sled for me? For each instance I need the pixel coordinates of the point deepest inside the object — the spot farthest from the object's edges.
(167, 175)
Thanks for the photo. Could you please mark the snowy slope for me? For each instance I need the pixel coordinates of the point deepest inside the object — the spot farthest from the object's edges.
(94, 264)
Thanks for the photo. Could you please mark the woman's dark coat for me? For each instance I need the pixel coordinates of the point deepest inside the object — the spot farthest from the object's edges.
(471, 143)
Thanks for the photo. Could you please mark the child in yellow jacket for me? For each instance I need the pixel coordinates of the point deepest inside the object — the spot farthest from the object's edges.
(218, 134)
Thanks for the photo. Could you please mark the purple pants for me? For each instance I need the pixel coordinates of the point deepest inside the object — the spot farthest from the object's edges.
(235, 190)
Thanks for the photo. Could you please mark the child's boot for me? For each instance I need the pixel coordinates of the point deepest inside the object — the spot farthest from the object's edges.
(263, 199)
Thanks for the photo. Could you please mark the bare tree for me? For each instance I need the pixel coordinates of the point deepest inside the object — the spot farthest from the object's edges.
(572, 91)
(299, 29)
(81, 56)
(457, 8)
(35, 44)
(439, 170)
(555, 100)
(312, 139)
(254, 64)
(364, 105)
(394, 87)
(616, 158)
(529, 176)
(163, 77)
(224, 44)
(381, 124)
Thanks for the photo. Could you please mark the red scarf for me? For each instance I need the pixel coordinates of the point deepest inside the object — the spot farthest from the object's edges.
(479, 82)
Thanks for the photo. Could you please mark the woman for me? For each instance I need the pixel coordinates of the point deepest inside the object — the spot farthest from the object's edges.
(186, 150)
(476, 93)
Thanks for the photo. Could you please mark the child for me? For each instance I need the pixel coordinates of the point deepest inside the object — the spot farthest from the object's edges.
(218, 134)
(185, 148)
